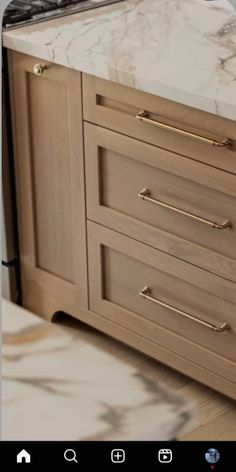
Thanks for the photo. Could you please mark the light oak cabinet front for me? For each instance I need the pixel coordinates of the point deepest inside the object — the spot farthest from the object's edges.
(119, 108)
(186, 199)
(48, 152)
(90, 243)
(175, 305)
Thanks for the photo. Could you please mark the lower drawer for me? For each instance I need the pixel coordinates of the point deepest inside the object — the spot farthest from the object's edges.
(187, 310)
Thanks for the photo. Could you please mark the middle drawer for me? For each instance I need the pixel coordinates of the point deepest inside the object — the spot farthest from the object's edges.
(177, 205)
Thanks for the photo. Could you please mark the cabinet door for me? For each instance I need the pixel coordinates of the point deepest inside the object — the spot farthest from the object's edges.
(48, 148)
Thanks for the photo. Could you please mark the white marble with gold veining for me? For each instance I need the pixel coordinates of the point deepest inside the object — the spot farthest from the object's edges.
(183, 50)
(58, 385)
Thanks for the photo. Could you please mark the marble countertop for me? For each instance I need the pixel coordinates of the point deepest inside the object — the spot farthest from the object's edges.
(183, 50)
(60, 385)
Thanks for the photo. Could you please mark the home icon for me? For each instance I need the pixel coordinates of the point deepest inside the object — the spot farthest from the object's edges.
(23, 456)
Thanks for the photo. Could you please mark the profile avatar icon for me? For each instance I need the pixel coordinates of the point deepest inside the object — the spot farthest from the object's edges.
(212, 456)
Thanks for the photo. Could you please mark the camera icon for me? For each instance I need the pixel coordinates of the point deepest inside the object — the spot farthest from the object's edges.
(165, 456)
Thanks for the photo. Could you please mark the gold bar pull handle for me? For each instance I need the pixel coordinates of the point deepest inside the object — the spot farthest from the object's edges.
(145, 194)
(144, 117)
(146, 293)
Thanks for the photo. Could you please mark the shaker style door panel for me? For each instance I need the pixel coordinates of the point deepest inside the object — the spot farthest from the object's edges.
(48, 152)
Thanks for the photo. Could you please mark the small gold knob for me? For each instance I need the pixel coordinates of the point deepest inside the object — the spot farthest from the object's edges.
(39, 69)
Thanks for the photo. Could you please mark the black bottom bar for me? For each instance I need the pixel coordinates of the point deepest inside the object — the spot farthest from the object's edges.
(146, 456)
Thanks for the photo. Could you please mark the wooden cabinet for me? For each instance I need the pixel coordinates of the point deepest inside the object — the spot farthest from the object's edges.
(48, 150)
(90, 243)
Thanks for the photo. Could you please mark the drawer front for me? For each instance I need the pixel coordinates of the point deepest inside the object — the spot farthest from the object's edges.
(116, 107)
(120, 268)
(177, 213)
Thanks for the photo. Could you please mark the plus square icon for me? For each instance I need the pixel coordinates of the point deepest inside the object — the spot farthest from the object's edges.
(118, 456)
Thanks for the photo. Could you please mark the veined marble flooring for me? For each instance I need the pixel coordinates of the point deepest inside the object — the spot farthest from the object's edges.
(58, 384)
(215, 413)
(76, 383)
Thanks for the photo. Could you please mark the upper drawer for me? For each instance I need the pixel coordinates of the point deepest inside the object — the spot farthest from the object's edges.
(116, 107)
(177, 213)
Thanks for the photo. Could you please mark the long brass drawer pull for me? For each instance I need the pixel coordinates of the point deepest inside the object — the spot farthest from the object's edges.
(145, 194)
(143, 117)
(146, 293)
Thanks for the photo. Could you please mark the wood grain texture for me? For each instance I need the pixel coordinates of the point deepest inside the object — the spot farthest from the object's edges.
(115, 107)
(51, 179)
(49, 161)
(221, 428)
(48, 150)
(120, 267)
(119, 167)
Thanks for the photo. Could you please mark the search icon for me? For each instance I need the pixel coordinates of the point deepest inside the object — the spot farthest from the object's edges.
(70, 455)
